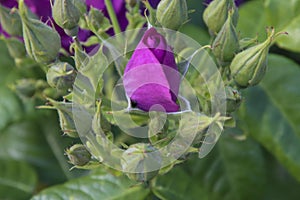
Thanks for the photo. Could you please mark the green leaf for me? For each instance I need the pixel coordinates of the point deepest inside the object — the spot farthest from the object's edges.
(27, 141)
(280, 184)
(291, 42)
(239, 165)
(178, 185)
(282, 86)
(17, 180)
(98, 185)
(280, 13)
(271, 112)
(222, 174)
(284, 16)
(252, 20)
(7, 62)
(197, 33)
(10, 107)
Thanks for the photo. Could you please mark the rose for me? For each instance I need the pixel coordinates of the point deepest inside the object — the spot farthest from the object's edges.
(42, 8)
(151, 78)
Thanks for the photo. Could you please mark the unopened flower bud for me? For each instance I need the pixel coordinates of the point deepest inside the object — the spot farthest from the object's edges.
(226, 44)
(10, 21)
(172, 13)
(233, 99)
(81, 6)
(78, 155)
(42, 43)
(15, 47)
(249, 66)
(65, 114)
(97, 22)
(66, 15)
(247, 42)
(141, 161)
(61, 76)
(25, 87)
(216, 14)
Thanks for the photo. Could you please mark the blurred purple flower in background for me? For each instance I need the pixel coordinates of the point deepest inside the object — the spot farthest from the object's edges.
(151, 78)
(154, 3)
(42, 8)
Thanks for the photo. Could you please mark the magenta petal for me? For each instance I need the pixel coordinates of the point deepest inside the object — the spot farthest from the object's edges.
(151, 76)
(99, 4)
(41, 8)
(9, 3)
(154, 3)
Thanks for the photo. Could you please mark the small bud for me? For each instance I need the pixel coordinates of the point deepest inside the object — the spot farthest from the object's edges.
(81, 6)
(15, 47)
(249, 66)
(216, 14)
(141, 161)
(97, 22)
(226, 44)
(247, 42)
(42, 43)
(25, 87)
(50, 92)
(233, 99)
(61, 76)
(65, 114)
(66, 15)
(172, 13)
(10, 21)
(78, 155)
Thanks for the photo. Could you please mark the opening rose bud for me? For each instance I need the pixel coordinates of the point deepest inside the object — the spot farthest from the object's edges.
(151, 78)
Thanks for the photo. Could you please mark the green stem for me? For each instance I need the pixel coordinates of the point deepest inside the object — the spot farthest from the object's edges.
(113, 16)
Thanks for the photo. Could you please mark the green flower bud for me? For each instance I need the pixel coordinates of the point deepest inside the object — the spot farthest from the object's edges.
(143, 159)
(81, 6)
(65, 114)
(97, 22)
(216, 14)
(10, 21)
(25, 87)
(247, 42)
(61, 76)
(15, 47)
(172, 13)
(233, 99)
(78, 155)
(249, 66)
(226, 44)
(42, 43)
(66, 15)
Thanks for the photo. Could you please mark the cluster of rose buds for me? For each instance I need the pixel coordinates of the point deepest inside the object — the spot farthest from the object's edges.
(58, 37)
(242, 67)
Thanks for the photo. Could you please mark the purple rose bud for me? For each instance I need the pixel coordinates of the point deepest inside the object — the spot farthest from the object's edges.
(151, 78)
